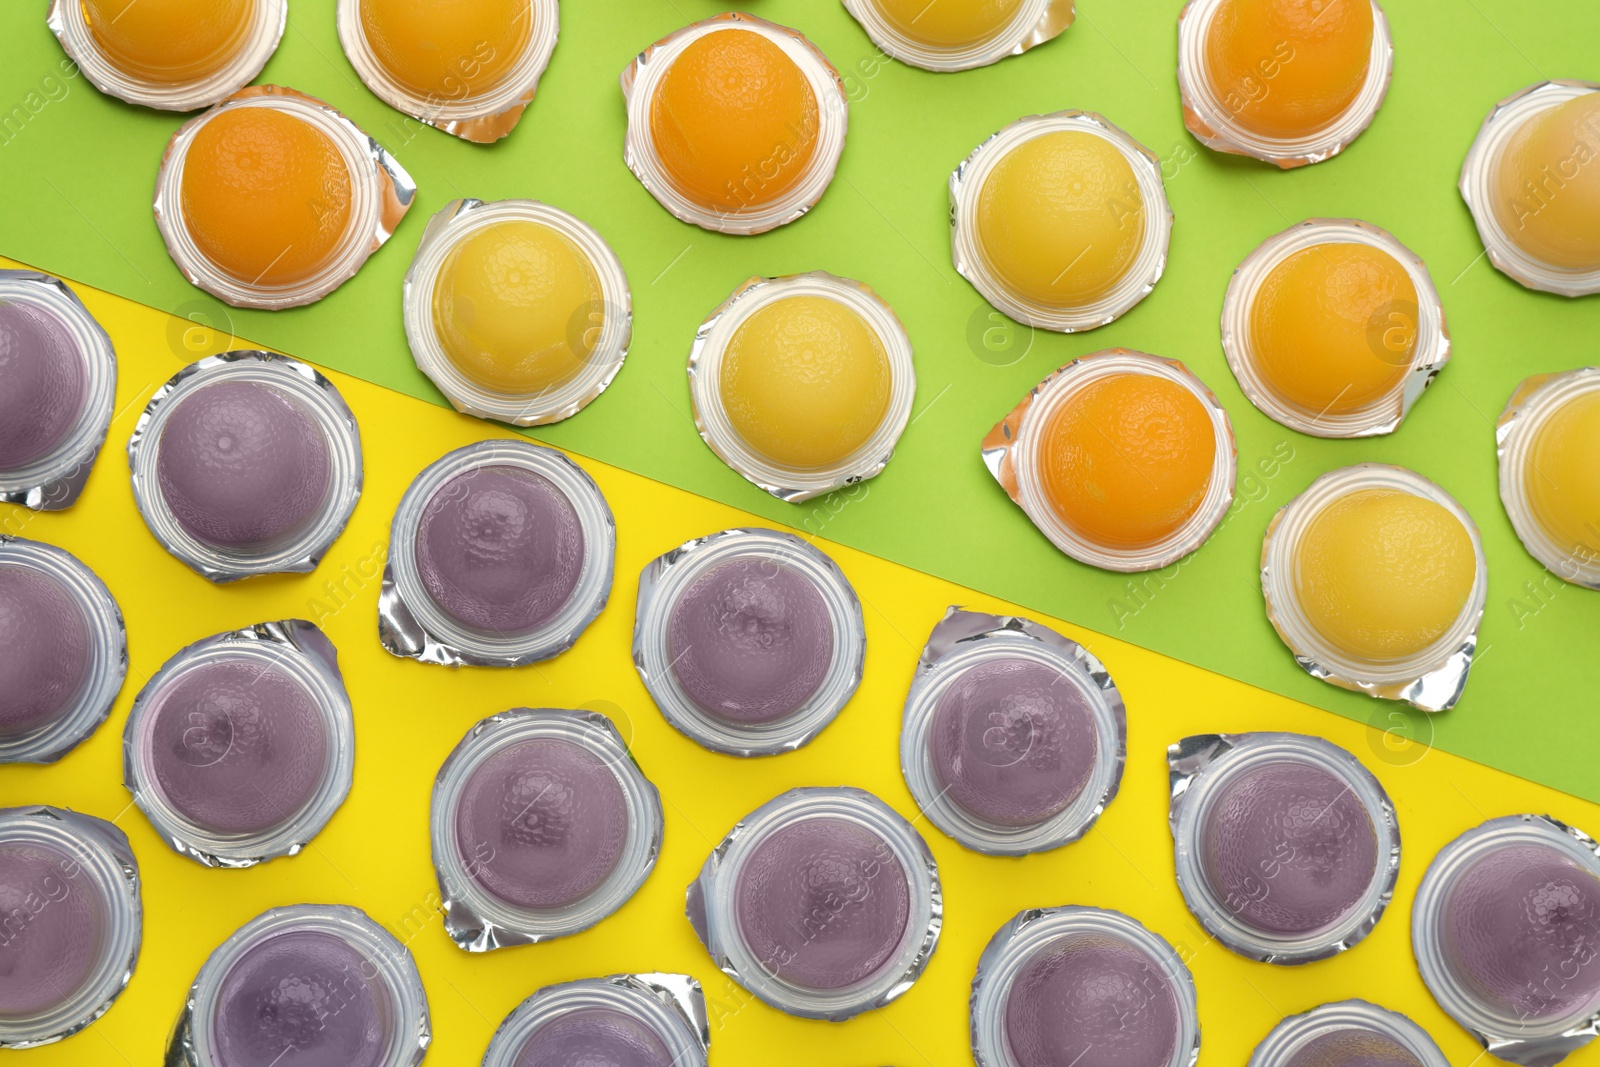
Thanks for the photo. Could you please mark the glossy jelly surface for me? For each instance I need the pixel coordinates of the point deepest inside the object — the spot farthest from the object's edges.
(805, 381)
(1547, 185)
(1288, 68)
(43, 382)
(1334, 327)
(240, 464)
(45, 650)
(541, 824)
(1091, 1001)
(266, 195)
(47, 959)
(1060, 218)
(1126, 460)
(1382, 574)
(948, 23)
(1012, 741)
(734, 121)
(1287, 848)
(169, 41)
(236, 746)
(1563, 476)
(594, 1037)
(500, 549)
(517, 306)
(751, 640)
(447, 50)
(1352, 1047)
(823, 903)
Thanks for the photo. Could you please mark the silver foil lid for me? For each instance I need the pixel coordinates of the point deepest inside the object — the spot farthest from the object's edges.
(475, 918)
(381, 193)
(642, 78)
(1425, 324)
(96, 858)
(612, 317)
(1137, 282)
(107, 651)
(412, 625)
(54, 481)
(1032, 23)
(963, 640)
(69, 22)
(1479, 175)
(1011, 452)
(712, 910)
(1516, 1036)
(483, 114)
(293, 649)
(1200, 768)
(667, 578)
(1214, 121)
(1531, 405)
(312, 395)
(1295, 1035)
(1431, 679)
(1016, 943)
(671, 1006)
(391, 967)
(711, 340)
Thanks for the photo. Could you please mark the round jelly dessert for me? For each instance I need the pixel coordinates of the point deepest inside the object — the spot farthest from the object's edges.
(1126, 460)
(1545, 190)
(1012, 742)
(46, 960)
(1347, 1033)
(1382, 574)
(443, 50)
(823, 903)
(1334, 327)
(1353, 1048)
(1287, 68)
(594, 1036)
(1562, 479)
(240, 464)
(734, 121)
(1060, 219)
(1287, 848)
(170, 41)
(805, 381)
(43, 384)
(751, 641)
(46, 649)
(541, 823)
(623, 1020)
(948, 23)
(517, 307)
(266, 195)
(500, 549)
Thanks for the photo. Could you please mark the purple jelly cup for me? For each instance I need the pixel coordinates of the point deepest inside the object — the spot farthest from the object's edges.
(242, 746)
(542, 825)
(501, 554)
(63, 651)
(823, 903)
(58, 380)
(1014, 737)
(1506, 931)
(69, 889)
(1348, 1033)
(1084, 986)
(1287, 848)
(320, 985)
(750, 641)
(246, 463)
(622, 1020)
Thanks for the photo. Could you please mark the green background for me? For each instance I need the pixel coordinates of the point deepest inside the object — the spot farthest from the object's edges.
(77, 170)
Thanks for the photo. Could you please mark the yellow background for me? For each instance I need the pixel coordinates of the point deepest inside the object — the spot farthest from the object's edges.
(408, 716)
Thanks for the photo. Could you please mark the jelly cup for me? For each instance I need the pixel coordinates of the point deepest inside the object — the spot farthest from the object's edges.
(963, 645)
(303, 669)
(381, 193)
(1432, 678)
(1426, 323)
(453, 224)
(783, 480)
(1032, 23)
(1299, 835)
(768, 559)
(651, 1019)
(1535, 400)
(1347, 1031)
